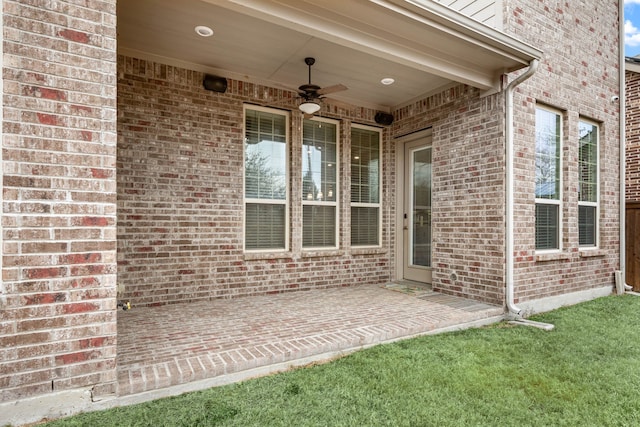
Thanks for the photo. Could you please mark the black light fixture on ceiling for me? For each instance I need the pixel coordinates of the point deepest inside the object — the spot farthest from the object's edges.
(215, 83)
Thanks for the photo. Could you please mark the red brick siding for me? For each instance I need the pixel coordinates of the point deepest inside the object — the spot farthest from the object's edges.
(179, 185)
(578, 75)
(180, 195)
(468, 189)
(58, 317)
(632, 133)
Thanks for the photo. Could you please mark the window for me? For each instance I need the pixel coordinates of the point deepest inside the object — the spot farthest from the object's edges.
(588, 186)
(265, 179)
(365, 186)
(548, 167)
(319, 184)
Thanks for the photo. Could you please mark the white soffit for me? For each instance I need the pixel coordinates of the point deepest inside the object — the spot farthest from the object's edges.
(423, 35)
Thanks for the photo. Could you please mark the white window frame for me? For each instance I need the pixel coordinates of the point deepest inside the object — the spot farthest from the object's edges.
(285, 201)
(380, 177)
(315, 202)
(557, 202)
(595, 204)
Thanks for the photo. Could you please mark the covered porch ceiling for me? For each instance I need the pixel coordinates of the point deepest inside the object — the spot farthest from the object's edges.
(423, 45)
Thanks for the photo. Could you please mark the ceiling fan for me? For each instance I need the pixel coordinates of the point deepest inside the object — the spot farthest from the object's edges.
(312, 94)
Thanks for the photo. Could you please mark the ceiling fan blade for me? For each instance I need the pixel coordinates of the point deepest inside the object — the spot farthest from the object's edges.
(331, 89)
(308, 116)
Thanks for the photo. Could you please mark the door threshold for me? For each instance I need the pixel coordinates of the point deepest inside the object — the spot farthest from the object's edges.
(406, 282)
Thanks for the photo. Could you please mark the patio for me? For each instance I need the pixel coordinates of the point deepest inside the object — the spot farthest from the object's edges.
(228, 340)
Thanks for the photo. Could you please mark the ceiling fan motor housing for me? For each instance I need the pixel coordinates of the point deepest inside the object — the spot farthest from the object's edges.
(313, 93)
(309, 90)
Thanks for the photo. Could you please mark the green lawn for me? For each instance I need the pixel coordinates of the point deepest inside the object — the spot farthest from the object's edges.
(586, 372)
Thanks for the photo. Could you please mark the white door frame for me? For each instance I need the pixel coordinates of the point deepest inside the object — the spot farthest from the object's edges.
(401, 194)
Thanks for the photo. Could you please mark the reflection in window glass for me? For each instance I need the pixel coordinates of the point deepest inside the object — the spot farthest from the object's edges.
(547, 150)
(588, 184)
(319, 157)
(365, 186)
(265, 156)
(319, 183)
(265, 176)
(547, 155)
(421, 202)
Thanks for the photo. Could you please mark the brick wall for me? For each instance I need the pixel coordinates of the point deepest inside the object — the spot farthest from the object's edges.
(180, 195)
(578, 75)
(468, 189)
(58, 314)
(632, 133)
(179, 185)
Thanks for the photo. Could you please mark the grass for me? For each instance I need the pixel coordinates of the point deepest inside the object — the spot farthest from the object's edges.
(586, 372)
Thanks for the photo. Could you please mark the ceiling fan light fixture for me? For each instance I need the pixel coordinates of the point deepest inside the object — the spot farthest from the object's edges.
(309, 107)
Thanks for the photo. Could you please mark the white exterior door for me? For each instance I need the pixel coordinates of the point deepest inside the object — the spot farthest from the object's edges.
(416, 216)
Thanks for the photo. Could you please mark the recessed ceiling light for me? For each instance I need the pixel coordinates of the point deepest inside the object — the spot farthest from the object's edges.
(387, 81)
(204, 31)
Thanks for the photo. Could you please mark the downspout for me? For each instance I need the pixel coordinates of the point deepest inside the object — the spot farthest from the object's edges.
(3, 287)
(621, 281)
(513, 310)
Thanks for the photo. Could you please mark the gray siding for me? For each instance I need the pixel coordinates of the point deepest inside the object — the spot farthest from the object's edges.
(489, 12)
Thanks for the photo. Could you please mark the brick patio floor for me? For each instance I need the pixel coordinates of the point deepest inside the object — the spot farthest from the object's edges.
(165, 346)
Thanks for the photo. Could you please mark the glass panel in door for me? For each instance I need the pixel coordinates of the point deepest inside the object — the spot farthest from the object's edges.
(417, 262)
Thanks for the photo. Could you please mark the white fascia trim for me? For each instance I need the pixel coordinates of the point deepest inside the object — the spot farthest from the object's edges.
(402, 32)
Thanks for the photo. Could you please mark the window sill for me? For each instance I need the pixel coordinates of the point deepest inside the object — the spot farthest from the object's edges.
(257, 256)
(317, 253)
(590, 253)
(556, 256)
(368, 251)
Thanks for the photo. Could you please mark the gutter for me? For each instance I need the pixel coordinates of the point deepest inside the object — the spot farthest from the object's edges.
(513, 310)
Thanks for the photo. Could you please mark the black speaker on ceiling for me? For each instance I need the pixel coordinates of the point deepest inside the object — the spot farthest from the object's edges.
(383, 118)
(215, 83)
